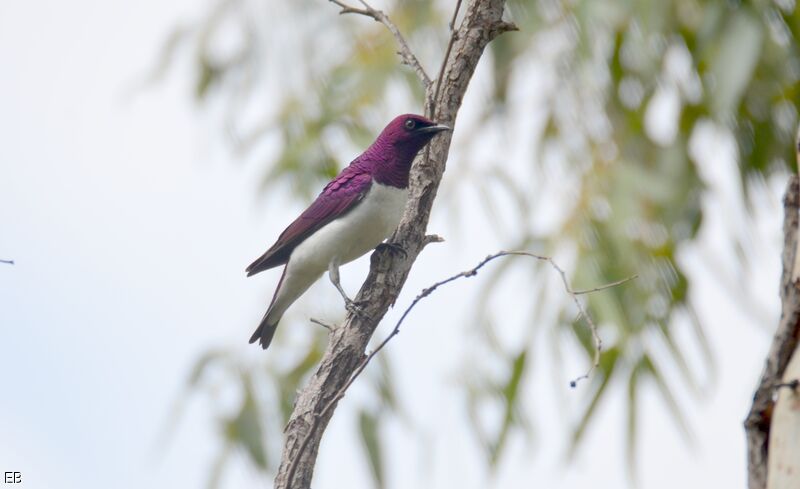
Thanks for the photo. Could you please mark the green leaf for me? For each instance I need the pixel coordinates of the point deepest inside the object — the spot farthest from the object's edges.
(289, 382)
(736, 57)
(368, 429)
(208, 73)
(385, 385)
(244, 429)
(201, 364)
(633, 417)
(218, 467)
(600, 380)
(666, 394)
(512, 410)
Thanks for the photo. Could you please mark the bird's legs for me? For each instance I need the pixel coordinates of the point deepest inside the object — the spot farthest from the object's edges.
(349, 304)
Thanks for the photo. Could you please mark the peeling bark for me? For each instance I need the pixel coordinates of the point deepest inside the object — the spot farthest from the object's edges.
(784, 440)
(759, 422)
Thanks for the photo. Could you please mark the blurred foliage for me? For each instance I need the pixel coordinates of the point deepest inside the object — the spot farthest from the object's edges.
(509, 392)
(253, 399)
(628, 86)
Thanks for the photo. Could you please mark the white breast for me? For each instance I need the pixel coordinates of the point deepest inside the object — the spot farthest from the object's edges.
(354, 234)
(340, 241)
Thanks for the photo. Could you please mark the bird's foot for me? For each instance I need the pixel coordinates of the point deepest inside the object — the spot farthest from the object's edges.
(394, 247)
(355, 308)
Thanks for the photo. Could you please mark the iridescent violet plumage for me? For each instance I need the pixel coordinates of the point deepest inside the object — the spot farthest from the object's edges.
(354, 213)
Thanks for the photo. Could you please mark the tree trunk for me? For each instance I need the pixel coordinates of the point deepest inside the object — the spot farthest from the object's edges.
(784, 441)
(388, 272)
(773, 432)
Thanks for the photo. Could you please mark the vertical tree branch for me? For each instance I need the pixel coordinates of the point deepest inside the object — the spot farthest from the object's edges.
(453, 34)
(758, 421)
(388, 272)
(783, 466)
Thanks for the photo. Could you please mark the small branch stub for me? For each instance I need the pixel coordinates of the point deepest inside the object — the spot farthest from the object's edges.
(325, 325)
(792, 385)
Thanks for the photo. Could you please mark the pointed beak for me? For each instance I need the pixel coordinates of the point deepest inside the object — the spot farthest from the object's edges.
(433, 129)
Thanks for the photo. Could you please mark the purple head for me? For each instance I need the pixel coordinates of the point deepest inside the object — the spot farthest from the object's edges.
(409, 132)
(394, 150)
(390, 156)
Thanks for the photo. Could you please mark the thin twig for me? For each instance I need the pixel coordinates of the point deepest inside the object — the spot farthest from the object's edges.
(453, 37)
(407, 56)
(606, 286)
(428, 291)
(598, 342)
(7, 262)
(791, 385)
(323, 324)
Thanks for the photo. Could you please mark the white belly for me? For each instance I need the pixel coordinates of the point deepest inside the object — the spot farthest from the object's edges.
(357, 232)
(340, 241)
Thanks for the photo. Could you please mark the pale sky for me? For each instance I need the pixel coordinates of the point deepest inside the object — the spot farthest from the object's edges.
(131, 226)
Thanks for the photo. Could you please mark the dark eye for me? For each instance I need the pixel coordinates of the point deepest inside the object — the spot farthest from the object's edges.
(411, 124)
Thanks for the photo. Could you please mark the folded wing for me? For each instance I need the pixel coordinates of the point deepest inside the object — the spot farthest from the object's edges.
(335, 200)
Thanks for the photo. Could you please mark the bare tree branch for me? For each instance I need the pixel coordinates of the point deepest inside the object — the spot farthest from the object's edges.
(388, 271)
(407, 56)
(758, 421)
(606, 286)
(453, 34)
(428, 291)
(598, 342)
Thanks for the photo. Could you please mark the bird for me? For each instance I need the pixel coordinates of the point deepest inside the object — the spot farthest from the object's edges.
(354, 213)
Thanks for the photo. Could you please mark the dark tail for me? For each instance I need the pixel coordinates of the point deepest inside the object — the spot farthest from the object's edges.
(264, 332)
